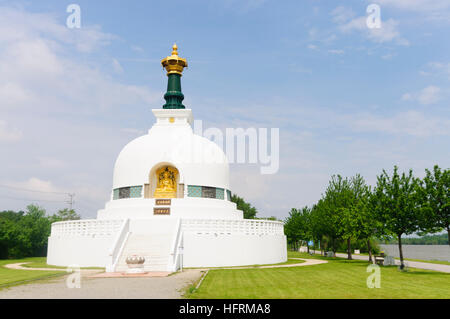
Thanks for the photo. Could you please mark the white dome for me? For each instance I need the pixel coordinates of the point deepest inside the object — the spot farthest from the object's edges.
(172, 141)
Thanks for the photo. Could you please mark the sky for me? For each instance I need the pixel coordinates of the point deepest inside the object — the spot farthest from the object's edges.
(347, 99)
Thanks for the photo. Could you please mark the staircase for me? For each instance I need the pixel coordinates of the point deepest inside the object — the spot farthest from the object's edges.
(155, 248)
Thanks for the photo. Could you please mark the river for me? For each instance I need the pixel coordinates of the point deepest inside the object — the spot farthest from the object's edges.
(425, 252)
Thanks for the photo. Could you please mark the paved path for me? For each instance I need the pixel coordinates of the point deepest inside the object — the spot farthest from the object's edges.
(307, 262)
(95, 287)
(21, 267)
(412, 264)
(170, 287)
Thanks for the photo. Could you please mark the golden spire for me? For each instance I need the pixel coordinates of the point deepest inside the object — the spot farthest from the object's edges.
(173, 63)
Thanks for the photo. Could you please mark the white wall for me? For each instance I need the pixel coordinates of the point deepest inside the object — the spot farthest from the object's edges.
(211, 248)
(233, 250)
(82, 251)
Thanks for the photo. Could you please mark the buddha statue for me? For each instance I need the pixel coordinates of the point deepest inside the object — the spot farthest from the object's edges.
(166, 187)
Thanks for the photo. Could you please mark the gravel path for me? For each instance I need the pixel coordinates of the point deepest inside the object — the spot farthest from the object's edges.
(171, 287)
(412, 264)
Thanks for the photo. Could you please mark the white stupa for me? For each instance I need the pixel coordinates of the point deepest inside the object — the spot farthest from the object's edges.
(170, 204)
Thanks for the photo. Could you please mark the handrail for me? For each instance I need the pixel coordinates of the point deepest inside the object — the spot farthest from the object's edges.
(175, 245)
(233, 226)
(117, 246)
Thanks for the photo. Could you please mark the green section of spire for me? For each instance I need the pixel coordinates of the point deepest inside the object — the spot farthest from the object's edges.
(174, 97)
(174, 66)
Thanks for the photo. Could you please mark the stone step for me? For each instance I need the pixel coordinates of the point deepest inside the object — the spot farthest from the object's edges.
(155, 249)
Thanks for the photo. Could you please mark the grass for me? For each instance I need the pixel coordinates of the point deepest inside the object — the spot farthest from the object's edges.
(339, 278)
(11, 277)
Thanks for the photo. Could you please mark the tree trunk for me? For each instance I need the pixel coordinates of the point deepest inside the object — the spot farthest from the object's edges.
(369, 249)
(307, 247)
(349, 249)
(448, 234)
(402, 265)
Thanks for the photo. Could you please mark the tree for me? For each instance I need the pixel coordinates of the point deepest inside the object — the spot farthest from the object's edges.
(64, 215)
(297, 226)
(396, 205)
(340, 209)
(249, 211)
(434, 192)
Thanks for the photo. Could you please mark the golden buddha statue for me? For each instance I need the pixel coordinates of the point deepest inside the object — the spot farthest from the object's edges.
(167, 185)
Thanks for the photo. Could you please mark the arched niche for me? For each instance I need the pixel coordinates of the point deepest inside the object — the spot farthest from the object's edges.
(154, 181)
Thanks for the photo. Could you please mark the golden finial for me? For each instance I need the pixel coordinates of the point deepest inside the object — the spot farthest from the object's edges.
(174, 49)
(173, 63)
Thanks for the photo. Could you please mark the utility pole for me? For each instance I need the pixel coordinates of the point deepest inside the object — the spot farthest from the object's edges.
(71, 201)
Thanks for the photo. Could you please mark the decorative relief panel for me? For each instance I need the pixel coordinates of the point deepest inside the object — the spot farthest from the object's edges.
(124, 192)
(136, 191)
(208, 192)
(220, 193)
(194, 191)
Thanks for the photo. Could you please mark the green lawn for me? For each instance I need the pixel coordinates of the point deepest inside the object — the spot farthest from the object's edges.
(338, 278)
(10, 277)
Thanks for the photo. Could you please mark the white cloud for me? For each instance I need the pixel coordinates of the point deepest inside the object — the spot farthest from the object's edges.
(51, 162)
(439, 68)
(429, 95)
(8, 133)
(412, 123)
(39, 71)
(342, 14)
(429, 10)
(387, 33)
(37, 184)
(426, 96)
(59, 107)
(335, 51)
(116, 66)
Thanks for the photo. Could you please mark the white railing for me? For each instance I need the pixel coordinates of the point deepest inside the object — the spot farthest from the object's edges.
(118, 245)
(230, 226)
(87, 228)
(177, 243)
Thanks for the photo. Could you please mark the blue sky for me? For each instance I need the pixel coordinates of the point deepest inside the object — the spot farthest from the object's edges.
(347, 99)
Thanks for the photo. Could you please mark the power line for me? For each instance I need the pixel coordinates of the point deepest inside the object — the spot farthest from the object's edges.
(70, 201)
(34, 191)
(34, 200)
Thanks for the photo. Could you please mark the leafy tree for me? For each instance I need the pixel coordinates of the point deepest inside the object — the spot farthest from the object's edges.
(434, 193)
(249, 211)
(365, 224)
(339, 199)
(318, 223)
(297, 226)
(396, 205)
(64, 215)
(25, 234)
